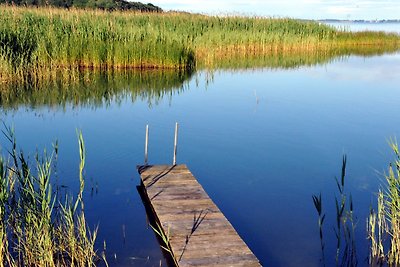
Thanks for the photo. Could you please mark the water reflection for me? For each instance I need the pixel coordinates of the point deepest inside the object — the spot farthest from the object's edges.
(295, 59)
(391, 27)
(95, 88)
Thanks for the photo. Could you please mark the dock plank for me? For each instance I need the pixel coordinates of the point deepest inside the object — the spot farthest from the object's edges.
(200, 235)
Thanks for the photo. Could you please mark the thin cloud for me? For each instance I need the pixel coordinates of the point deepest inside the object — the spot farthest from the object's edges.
(339, 10)
(314, 9)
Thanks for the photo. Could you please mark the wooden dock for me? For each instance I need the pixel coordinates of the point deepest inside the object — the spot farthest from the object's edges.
(199, 234)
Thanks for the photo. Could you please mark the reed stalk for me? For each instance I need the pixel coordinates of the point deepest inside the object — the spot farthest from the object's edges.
(32, 231)
(321, 218)
(344, 228)
(384, 227)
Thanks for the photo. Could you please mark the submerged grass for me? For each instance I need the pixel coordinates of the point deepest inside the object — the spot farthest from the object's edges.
(36, 40)
(36, 228)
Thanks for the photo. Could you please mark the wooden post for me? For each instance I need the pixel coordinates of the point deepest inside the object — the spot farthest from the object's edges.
(175, 143)
(146, 146)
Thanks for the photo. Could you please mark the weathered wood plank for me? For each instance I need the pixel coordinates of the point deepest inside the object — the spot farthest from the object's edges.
(200, 235)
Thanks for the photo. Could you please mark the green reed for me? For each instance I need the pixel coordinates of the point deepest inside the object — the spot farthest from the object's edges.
(384, 225)
(344, 228)
(35, 229)
(38, 39)
(165, 242)
(317, 199)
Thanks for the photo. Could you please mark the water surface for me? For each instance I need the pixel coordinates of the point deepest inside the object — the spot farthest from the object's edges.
(260, 140)
(393, 27)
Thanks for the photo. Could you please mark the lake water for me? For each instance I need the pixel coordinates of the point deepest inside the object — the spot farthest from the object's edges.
(261, 142)
(369, 26)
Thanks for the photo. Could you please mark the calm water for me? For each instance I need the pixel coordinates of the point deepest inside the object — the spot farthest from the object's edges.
(261, 142)
(370, 26)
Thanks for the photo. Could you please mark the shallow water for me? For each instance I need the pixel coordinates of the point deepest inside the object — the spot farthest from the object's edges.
(261, 142)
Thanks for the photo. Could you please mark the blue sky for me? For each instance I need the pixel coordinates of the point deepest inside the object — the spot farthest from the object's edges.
(306, 9)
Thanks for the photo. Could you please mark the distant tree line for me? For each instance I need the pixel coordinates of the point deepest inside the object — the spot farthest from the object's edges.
(101, 4)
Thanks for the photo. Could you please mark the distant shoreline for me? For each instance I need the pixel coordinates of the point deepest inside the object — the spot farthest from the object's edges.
(360, 21)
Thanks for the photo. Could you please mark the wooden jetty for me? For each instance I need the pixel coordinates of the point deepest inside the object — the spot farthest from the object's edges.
(199, 234)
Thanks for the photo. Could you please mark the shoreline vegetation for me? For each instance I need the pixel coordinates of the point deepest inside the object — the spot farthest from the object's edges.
(382, 224)
(36, 41)
(108, 5)
(40, 223)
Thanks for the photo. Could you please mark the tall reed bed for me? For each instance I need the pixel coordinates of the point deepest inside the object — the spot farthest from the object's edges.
(46, 38)
(38, 227)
